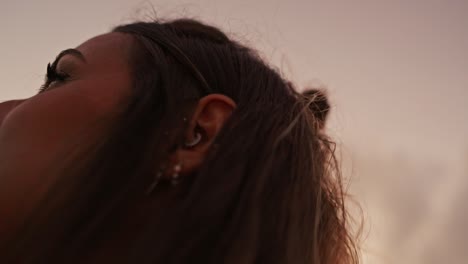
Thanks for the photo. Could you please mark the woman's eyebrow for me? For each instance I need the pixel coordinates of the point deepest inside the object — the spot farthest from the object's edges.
(74, 52)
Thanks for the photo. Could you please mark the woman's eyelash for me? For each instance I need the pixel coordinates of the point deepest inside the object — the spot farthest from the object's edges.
(53, 76)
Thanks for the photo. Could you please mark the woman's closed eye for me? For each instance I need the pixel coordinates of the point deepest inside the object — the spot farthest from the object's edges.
(53, 77)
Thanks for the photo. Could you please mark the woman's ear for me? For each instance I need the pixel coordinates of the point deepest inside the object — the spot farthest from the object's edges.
(209, 117)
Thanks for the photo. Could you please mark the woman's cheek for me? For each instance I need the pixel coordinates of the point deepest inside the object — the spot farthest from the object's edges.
(7, 107)
(32, 136)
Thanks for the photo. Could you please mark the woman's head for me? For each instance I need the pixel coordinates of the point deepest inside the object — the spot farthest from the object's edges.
(259, 186)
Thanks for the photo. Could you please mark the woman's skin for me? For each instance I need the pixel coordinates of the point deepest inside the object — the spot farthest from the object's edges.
(34, 131)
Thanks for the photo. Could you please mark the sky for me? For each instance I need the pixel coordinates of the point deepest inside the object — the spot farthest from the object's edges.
(396, 72)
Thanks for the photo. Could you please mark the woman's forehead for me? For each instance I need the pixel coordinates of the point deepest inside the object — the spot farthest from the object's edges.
(107, 49)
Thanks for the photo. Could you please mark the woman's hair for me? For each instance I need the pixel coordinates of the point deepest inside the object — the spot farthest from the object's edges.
(269, 190)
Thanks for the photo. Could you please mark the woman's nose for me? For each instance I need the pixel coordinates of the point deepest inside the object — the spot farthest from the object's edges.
(7, 106)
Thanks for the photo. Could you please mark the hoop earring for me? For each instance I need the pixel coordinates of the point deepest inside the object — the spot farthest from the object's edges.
(195, 141)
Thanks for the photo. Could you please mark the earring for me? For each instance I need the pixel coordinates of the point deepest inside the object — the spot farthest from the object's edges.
(195, 141)
(156, 180)
(175, 176)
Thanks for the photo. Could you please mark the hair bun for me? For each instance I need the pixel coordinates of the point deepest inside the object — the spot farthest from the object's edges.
(318, 104)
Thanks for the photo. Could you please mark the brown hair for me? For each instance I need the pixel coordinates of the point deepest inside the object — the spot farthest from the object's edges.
(269, 191)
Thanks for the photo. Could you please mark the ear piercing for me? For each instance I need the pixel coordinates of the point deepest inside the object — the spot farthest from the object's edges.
(195, 141)
(174, 178)
(176, 174)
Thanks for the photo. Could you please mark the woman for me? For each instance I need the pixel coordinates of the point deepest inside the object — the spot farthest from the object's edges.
(167, 142)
